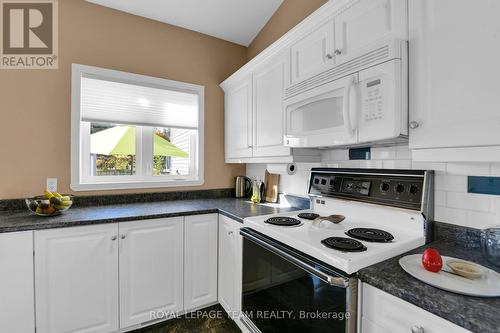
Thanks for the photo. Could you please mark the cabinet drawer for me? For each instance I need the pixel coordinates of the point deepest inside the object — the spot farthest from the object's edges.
(398, 316)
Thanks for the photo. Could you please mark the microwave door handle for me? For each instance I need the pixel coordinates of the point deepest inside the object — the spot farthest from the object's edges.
(346, 107)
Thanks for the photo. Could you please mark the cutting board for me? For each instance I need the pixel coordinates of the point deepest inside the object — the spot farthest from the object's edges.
(271, 183)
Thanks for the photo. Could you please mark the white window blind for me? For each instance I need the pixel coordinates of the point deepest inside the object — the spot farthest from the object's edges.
(108, 101)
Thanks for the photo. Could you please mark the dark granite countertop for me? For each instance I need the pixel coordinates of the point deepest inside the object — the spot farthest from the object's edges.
(477, 314)
(237, 209)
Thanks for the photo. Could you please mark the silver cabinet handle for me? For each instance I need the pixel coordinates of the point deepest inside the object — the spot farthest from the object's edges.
(414, 124)
(113, 238)
(417, 329)
(123, 236)
(329, 56)
(337, 52)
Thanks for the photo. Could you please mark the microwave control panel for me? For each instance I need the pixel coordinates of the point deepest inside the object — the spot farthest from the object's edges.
(373, 99)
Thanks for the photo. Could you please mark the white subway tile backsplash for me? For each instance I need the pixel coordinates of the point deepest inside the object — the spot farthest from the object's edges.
(481, 220)
(437, 167)
(383, 153)
(495, 169)
(476, 202)
(451, 183)
(371, 164)
(450, 215)
(349, 164)
(396, 164)
(471, 169)
(403, 152)
(440, 198)
(452, 202)
(335, 155)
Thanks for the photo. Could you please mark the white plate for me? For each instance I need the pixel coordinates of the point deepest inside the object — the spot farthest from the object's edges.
(487, 285)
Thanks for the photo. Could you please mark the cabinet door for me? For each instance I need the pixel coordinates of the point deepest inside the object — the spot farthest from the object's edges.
(200, 261)
(238, 120)
(151, 269)
(76, 279)
(313, 53)
(229, 264)
(17, 313)
(366, 23)
(454, 99)
(382, 310)
(268, 87)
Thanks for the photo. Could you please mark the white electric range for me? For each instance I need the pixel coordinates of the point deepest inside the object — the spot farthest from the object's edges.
(358, 217)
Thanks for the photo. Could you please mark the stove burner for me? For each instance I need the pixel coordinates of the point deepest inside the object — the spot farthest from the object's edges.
(344, 244)
(283, 221)
(370, 235)
(308, 216)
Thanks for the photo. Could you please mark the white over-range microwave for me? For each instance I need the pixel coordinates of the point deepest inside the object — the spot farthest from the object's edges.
(361, 101)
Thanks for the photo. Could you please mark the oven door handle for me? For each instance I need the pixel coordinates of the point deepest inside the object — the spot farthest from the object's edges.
(331, 280)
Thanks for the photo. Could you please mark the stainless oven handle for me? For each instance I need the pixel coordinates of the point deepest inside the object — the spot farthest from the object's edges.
(331, 280)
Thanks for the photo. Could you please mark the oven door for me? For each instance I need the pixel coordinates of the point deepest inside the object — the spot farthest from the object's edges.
(284, 290)
(323, 116)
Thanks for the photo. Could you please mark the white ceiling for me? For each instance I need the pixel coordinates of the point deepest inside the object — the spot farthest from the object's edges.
(237, 21)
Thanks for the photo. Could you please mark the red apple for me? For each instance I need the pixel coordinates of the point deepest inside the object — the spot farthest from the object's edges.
(431, 260)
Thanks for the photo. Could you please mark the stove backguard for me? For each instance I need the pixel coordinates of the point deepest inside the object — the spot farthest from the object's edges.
(406, 189)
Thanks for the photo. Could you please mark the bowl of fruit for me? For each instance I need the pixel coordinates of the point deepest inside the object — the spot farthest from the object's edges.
(49, 204)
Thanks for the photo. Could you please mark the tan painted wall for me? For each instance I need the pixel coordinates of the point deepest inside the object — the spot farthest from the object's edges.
(35, 104)
(288, 15)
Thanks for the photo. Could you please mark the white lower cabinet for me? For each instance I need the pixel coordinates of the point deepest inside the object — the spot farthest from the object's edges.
(229, 264)
(108, 277)
(151, 269)
(17, 314)
(76, 279)
(200, 265)
(385, 313)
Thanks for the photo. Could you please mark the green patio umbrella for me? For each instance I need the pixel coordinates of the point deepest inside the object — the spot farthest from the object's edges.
(120, 140)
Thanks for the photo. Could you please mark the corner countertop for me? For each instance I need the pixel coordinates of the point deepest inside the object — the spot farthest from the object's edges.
(237, 209)
(477, 314)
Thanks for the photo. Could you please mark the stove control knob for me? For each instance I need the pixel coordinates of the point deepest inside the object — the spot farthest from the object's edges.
(384, 187)
(413, 189)
(400, 188)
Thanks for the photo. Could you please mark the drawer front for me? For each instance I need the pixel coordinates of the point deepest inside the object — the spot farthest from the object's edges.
(398, 316)
(367, 326)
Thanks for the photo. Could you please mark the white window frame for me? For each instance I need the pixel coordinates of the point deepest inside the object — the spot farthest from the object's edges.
(79, 172)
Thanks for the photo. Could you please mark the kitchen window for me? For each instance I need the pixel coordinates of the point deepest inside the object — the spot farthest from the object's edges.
(134, 131)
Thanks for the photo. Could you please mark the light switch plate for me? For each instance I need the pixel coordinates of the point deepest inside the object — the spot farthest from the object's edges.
(52, 184)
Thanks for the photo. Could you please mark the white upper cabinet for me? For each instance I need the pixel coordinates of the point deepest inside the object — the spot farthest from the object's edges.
(454, 98)
(200, 261)
(366, 22)
(313, 53)
(151, 269)
(17, 313)
(238, 120)
(268, 87)
(76, 279)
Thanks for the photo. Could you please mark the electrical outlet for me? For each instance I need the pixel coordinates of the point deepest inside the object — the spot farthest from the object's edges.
(52, 184)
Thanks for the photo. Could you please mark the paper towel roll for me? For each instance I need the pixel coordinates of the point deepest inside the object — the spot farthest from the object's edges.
(282, 169)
